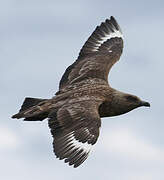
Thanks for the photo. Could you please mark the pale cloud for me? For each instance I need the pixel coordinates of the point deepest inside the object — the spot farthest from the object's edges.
(34, 35)
(8, 139)
(123, 142)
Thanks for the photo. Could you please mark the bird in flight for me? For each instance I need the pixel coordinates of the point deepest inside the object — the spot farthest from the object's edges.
(84, 97)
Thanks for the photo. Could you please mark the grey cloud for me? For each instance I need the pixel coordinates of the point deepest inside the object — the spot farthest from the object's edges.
(39, 39)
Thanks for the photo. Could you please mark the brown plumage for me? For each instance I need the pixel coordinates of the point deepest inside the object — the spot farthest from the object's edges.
(84, 97)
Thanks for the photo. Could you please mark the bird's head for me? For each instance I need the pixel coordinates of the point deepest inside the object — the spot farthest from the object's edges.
(123, 103)
(135, 101)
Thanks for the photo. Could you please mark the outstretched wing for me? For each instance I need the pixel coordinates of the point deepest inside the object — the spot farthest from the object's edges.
(99, 53)
(75, 128)
(100, 39)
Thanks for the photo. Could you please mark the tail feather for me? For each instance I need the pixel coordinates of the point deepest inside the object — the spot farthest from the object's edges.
(31, 110)
(38, 117)
(29, 102)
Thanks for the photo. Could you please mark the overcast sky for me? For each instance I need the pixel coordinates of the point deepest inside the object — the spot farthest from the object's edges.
(38, 40)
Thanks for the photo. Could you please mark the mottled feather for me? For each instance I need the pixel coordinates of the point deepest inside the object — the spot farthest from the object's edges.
(102, 49)
(75, 128)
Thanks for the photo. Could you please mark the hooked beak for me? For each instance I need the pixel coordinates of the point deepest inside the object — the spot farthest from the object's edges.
(144, 103)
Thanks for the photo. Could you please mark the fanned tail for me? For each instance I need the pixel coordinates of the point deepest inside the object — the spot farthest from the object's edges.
(32, 109)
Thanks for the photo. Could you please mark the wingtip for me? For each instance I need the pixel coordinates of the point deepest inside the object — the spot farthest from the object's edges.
(108, 29)
(112, 18)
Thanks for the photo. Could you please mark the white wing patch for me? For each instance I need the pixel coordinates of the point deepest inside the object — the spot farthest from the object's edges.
(114, 34)
(87, 132)
(79, 145)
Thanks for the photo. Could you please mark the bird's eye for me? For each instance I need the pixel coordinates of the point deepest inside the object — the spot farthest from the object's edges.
(131, 98)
